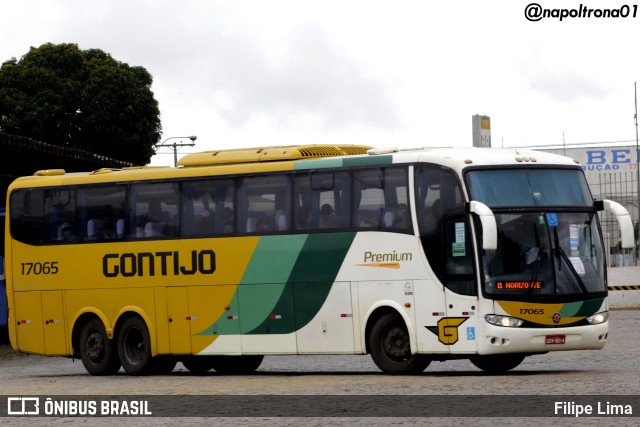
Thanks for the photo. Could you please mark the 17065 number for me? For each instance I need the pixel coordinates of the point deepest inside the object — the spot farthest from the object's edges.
(37, 268)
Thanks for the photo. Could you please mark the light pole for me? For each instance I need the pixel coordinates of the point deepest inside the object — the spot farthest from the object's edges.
(175, 145)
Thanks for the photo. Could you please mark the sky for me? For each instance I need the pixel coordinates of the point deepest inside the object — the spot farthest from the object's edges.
(402, 73)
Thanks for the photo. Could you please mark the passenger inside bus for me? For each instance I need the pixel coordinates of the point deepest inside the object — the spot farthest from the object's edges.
(228, 220)
(327, 218)
(205, 222)
(66, 232)
(401, 219)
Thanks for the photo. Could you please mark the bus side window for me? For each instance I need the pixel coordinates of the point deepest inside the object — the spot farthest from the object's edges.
(438, 194)
(264, 204)
(27, 216)
(154, 209)
(101, 211)
(459, 256)
(60, 210)
(322, 201)
(302, 200)
(381, 197)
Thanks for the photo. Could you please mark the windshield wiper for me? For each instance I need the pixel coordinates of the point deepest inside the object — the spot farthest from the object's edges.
(561, 255)
(538, 261)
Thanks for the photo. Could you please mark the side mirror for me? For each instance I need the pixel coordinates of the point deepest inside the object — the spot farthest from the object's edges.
(624, 222)
(488, 221)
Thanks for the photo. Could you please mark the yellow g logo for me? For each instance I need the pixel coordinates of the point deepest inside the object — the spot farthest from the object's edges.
(447, 329)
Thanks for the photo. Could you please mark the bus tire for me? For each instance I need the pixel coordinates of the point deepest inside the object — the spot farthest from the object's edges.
(134, 347)
(391, 347)
(98, 353)
(497, 363)
(199, 364)
(237, 365)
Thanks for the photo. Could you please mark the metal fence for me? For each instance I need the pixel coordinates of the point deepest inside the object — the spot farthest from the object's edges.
(620, 187)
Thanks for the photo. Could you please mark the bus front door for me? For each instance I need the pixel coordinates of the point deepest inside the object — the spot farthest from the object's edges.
(461, 293)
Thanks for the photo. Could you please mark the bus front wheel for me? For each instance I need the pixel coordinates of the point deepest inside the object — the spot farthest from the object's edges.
(497, 363)
(134, 346)
(391, 347)
(98, 353)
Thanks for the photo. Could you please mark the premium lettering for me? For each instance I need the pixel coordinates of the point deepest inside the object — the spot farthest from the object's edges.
(388, 257)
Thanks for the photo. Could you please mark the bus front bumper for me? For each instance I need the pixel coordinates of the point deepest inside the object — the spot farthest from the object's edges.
(498, 340)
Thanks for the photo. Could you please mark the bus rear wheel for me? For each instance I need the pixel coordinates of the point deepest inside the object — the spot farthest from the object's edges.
(391, 347)
(98, 353)
(134, 347)
(497, 363)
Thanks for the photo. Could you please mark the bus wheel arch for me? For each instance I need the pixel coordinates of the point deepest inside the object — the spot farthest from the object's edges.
(92, 344)
(388, 340)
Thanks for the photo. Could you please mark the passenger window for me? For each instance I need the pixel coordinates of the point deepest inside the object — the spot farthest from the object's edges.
(60, 215)
(154, 210)
(27, 216)
(322, 201)
(102, 212)
(207, 208)
(381, 197)
(264, 204)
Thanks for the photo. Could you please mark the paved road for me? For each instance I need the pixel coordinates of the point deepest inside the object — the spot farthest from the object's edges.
(612, 371)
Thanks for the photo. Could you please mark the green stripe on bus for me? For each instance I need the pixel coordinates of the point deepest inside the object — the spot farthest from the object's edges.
(285, 284)
(315, 272)
(318, 164)
(581, 308)
(308, 285)
(343, 162)
(264, 281)
(368, 161)
(262, 285)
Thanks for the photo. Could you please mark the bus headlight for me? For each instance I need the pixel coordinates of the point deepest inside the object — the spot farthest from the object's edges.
(506, 321)
(598, 318)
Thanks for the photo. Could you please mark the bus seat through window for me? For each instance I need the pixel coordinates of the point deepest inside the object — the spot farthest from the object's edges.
(154, 229)
(94, 228)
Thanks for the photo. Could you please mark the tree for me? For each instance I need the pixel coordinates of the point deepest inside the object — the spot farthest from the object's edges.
(83, 99)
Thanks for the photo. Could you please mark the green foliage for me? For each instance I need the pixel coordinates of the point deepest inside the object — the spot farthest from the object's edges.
(83, 99)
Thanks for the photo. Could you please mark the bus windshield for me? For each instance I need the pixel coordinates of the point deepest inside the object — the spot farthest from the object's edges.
(529, 187)
(545, 254)
(542, 249)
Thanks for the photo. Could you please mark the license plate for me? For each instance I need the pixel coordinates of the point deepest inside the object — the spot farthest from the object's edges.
(555, 339)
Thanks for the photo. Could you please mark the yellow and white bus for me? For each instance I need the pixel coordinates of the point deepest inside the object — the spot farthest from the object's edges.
(407, 255)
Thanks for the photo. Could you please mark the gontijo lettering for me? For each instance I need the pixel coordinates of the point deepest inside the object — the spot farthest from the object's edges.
(165, 263)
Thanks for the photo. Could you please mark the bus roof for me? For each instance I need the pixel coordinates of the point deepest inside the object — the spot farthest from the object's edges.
(305, 157)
